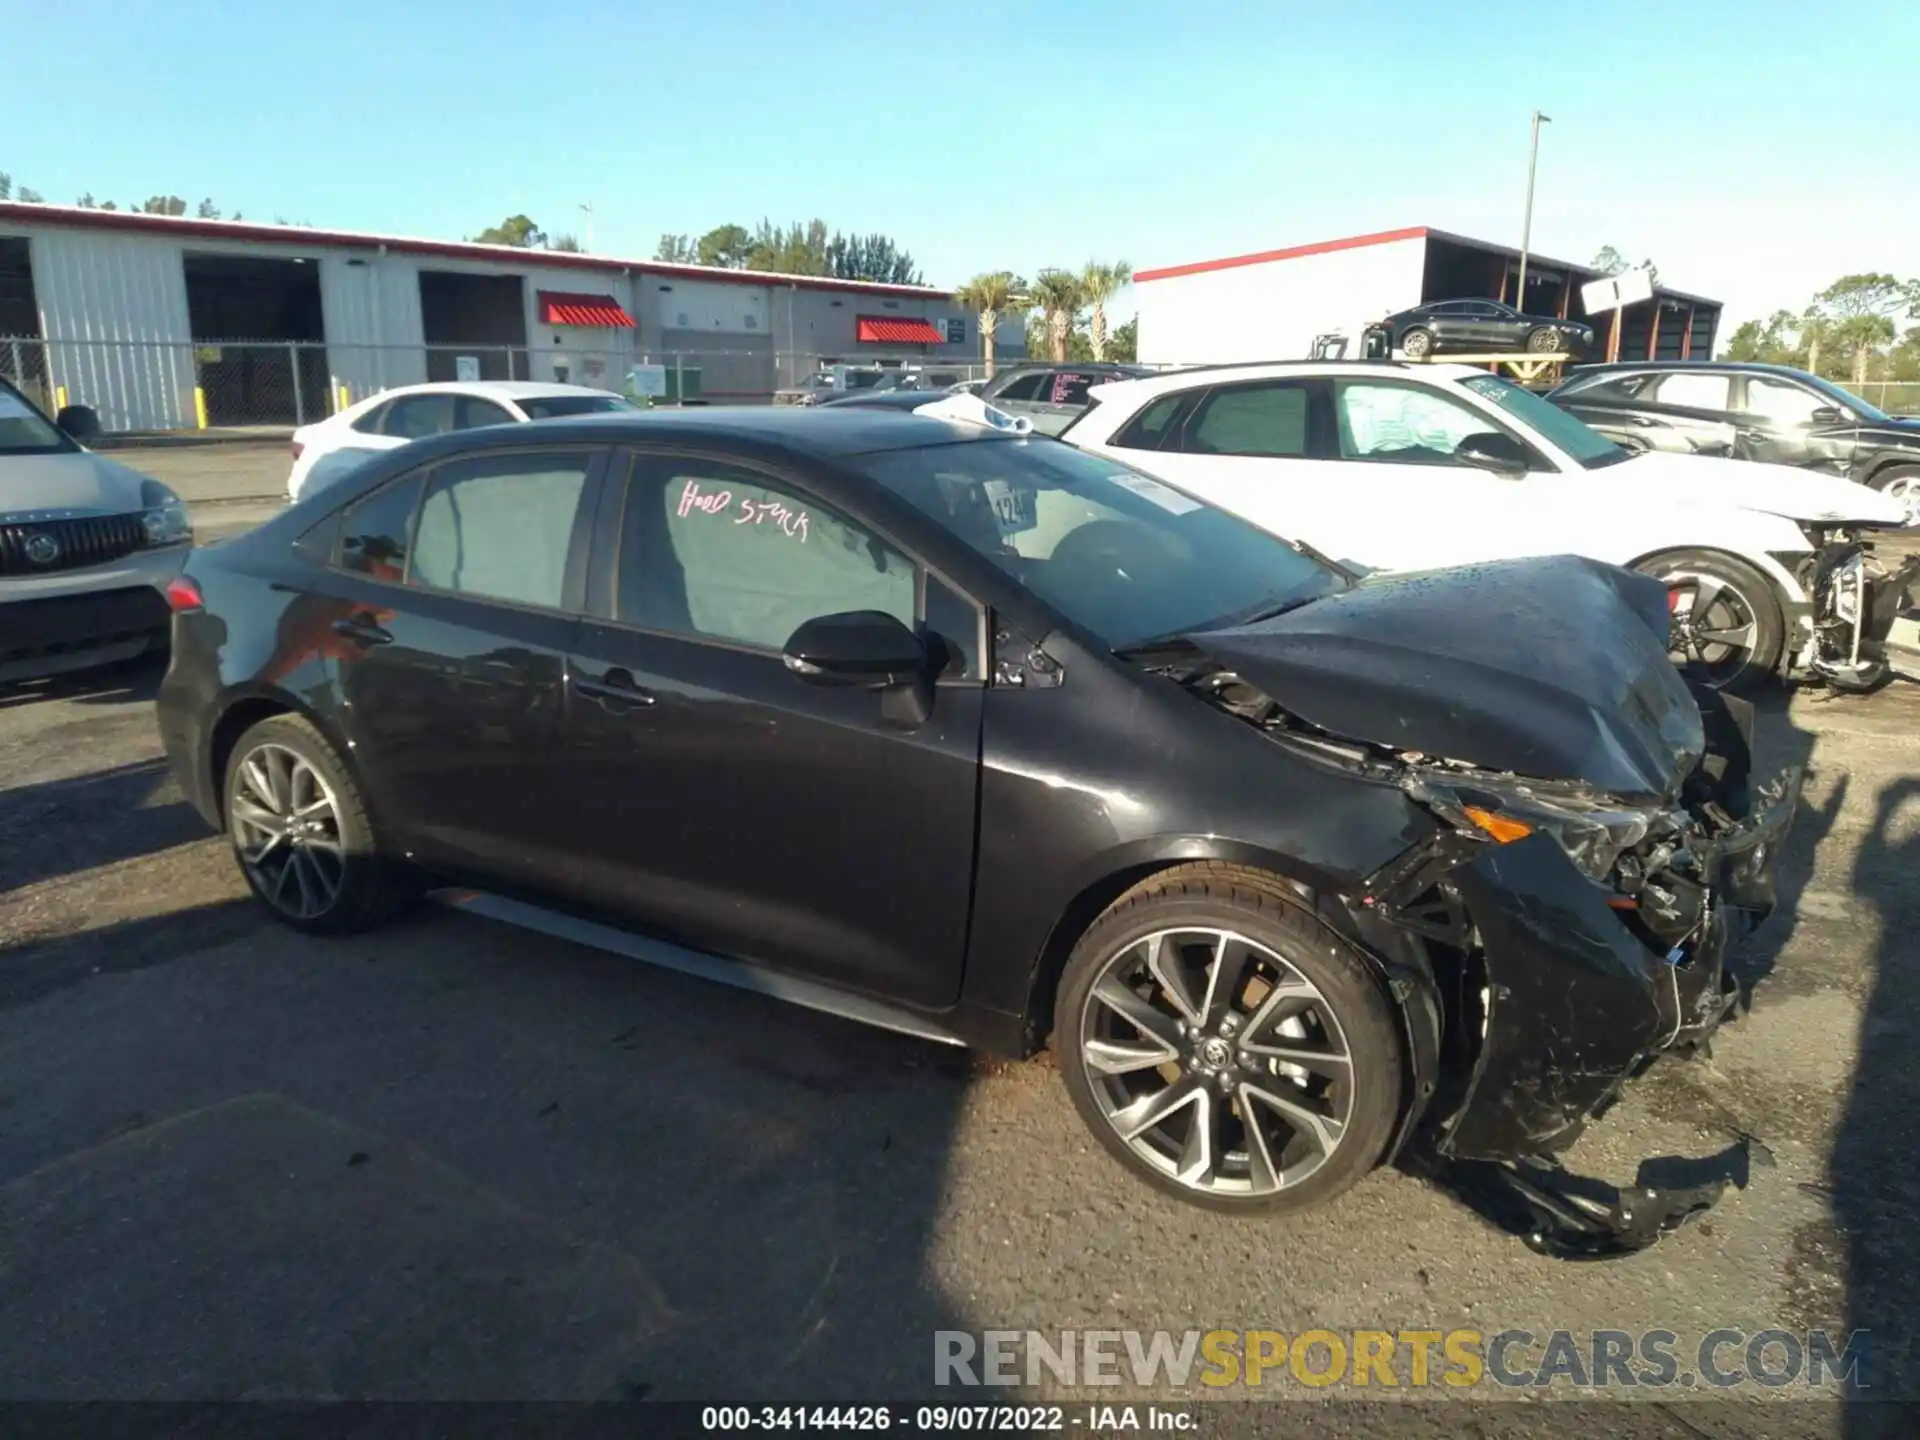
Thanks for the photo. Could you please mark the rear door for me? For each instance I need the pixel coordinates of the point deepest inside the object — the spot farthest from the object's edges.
(446, 619)
(1022, 396)
(1061, 398)
(717, 797)
(1500, 327)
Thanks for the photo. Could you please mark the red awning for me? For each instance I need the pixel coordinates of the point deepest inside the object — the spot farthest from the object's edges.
(889, 330)
(560, 307)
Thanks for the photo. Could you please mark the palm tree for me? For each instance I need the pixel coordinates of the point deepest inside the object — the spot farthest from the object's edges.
(996, 293)
(1814, 329)
(1101, 283)
(1060, 296)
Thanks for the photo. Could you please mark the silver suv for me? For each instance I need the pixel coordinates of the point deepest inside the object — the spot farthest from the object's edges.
(87, 548)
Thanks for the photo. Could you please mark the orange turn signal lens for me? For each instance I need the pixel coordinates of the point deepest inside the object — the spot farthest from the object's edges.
(1502, 828)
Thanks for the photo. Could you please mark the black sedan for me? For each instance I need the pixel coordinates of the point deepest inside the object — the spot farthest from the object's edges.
(998, 743)
(1481, 327)
(1751, 411)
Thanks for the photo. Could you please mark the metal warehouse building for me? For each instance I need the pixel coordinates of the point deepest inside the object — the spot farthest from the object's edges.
(1275, 304)
(165, 323)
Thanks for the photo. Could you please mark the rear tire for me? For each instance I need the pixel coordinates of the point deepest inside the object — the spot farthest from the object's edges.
(301, 832)
(1728, 630)
(1416, 344)
(1902, 483)
(1206, 995)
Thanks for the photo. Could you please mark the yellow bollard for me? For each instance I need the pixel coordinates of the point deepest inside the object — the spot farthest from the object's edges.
(346, 400)
(200, 406)
(59, 398)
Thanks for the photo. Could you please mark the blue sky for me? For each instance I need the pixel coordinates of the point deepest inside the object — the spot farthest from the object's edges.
(1754, 149)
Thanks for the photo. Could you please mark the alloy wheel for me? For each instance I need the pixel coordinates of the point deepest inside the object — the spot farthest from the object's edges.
(1905, 490)
(286, 831)
(1217, 1061)
(1712, 627)
(1415, 344)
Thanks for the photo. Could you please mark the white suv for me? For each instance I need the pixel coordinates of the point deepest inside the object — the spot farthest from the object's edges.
(1388, 466)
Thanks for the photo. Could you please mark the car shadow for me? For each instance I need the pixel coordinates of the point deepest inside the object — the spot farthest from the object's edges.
(1874, 1172)
(449, 1159)
(130, 680)
(60, 827)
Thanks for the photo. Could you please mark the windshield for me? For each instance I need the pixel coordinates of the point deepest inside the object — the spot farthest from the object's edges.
(1119, 554)
(24, 430)
(554, 407)
(1558, 427)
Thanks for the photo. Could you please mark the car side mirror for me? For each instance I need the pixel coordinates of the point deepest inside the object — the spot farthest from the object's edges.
(79, 421)
(866, 648)
(1829, 415)
(1491, 450)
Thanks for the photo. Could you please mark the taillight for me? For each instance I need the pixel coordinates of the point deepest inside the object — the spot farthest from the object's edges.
(183, 593)
(296, 447)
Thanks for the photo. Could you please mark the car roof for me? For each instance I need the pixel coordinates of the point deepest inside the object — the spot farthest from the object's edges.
(819, 431)
(1758, 367)
(496, 389)
(1144, 386)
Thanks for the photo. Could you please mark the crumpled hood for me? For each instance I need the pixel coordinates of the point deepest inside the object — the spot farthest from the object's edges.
(1553, 667)
(78, 484)
(1665, 478)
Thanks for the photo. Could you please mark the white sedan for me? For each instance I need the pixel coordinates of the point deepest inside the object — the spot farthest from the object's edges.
(327, 449)
(1387, 466)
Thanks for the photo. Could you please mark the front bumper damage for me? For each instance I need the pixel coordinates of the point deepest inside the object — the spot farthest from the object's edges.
(1567, 989)
(1863, 623)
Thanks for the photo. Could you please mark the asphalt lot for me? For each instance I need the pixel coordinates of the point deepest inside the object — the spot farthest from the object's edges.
(453, 1160)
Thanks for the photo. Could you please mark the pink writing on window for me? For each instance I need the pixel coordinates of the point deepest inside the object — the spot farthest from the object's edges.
(711, 503)
(790, 522)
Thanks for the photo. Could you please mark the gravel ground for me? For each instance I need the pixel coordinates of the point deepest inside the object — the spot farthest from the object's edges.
(453, 1160)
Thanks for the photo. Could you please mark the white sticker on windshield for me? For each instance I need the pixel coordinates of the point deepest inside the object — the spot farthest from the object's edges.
(1169, 500)
(12, 409)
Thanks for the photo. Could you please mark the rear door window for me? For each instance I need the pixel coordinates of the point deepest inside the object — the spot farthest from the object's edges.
(1150, 428)
(500, 526)
(1263, 419)
(470, 412)
(1026, 387)
(417, 416)
(1689, 391)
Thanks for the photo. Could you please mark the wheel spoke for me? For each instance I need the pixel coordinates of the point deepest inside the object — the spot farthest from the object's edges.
(1707, 590)
(1137, 1011)
(1322, 1131)
(247, 812)
(1281, 1003)
(254, 772)
(1163, 961)
(1197, 1152)
(280, 882)
(1739, 636)
(1116, 1057)
(1321, 1062)
(1149, 1110)
(1225, 978)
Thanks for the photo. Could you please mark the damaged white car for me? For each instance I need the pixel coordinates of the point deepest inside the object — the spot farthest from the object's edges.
(1387, 466)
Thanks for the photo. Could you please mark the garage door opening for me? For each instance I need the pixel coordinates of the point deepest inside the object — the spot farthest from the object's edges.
(259, 342)
(23, 359)
(479, 317)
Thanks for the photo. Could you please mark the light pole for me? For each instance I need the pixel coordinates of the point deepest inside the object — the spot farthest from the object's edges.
(1526, 224)
(586, 209)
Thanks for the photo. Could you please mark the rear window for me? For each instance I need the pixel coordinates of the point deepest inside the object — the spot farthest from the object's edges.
(24, 430)
(556, 407)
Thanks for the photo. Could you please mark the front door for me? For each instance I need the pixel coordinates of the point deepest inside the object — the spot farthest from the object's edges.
(447, 617)
(1781, 422)
(719, 798)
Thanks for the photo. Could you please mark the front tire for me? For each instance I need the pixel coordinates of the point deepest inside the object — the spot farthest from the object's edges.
(1544, 341)
(1416, 344)
(1902, 483)
(1727, 629)
(301, 833)
(1226, 1046)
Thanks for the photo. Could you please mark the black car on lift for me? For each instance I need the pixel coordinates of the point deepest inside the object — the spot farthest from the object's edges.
(1767, 412)
(1477, 326)
(995, 742)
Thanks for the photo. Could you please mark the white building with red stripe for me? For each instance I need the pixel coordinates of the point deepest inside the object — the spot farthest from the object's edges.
(152, 319)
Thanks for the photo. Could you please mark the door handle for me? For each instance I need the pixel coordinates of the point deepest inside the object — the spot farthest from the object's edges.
(616, 688)
(361, 630)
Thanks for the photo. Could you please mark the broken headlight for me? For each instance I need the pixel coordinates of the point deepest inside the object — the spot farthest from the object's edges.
(1594, 833)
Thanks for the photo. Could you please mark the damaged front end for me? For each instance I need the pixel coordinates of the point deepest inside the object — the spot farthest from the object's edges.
(1864, 620)
(1554, 935)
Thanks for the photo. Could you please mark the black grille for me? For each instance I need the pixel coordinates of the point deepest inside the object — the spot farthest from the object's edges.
(96, 540)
